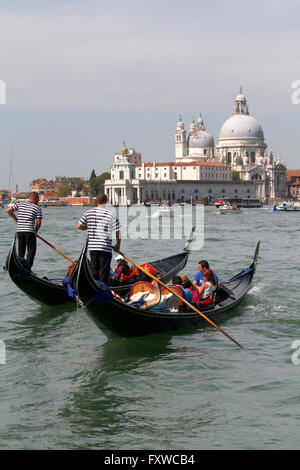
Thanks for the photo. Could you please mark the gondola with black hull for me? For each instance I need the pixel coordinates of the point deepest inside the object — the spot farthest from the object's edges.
(55, 291)
(117, 318)
(40, 289)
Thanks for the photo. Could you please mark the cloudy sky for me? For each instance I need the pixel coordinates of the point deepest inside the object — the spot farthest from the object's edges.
(82, 76)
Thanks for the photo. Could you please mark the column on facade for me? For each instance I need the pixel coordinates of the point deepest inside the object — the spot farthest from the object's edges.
(138, 195)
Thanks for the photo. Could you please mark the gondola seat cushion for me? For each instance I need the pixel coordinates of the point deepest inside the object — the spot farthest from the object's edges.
(141, 286)
(205, 302)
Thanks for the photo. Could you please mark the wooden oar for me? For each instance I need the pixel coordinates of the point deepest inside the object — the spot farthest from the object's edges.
(58, 251)
(181, 298)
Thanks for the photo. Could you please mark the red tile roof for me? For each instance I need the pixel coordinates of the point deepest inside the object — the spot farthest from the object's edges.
(293, 173)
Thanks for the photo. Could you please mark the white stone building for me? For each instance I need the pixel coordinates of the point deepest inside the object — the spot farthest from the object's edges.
(198, 170)
(241, 145)
(135, 182)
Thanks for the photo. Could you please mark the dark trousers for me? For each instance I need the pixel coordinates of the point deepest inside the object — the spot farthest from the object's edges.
(100, 265)
(27, 240)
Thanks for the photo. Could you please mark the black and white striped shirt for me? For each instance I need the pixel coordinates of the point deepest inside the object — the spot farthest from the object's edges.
(100, 223)
(28, 212)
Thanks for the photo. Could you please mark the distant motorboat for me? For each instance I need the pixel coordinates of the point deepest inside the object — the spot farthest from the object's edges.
(286, 207)
(240, 202)
(227, 208)
(163, 211)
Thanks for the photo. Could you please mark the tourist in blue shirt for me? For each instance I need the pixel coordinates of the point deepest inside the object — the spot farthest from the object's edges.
(198, 279)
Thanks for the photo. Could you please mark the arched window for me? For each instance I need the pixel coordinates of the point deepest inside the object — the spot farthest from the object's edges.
(229, 157)
(252, 158)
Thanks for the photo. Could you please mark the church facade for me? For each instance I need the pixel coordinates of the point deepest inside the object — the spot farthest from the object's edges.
(241, 145)
(201, 171)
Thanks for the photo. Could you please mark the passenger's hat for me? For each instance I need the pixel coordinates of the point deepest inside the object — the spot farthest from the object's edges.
(184, 278)
(119, 257)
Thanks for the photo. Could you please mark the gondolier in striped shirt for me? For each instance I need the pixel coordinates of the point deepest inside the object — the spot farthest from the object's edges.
(100, 224)
(29, 221)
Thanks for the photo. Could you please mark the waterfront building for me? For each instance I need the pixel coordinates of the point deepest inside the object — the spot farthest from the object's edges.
(134, 182)
(293, 184)
(42, 186)
(199, 170)
(242, 145)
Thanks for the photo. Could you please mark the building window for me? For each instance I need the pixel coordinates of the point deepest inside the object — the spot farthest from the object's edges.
(252, 157)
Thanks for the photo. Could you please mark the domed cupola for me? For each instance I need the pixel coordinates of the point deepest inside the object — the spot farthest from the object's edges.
(193, 126)
(241, 133)
(200, 142)
(180, 124)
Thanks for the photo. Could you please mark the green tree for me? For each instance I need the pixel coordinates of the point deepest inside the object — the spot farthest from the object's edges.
(97, 182)
(64, 189)
(93, 175)
(235, 175)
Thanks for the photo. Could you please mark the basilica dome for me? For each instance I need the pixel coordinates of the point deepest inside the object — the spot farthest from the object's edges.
(201, 139)
(241, 126)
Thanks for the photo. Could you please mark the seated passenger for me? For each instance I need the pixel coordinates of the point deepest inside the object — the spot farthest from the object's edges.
(132, 277)
(198, 279)
(186, 283)
(177, 281)
(209, 286)
(122, 268)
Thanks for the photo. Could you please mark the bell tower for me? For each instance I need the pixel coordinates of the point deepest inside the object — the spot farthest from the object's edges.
(180, 140)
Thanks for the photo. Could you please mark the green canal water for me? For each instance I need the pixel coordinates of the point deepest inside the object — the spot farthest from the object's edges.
(64, 385)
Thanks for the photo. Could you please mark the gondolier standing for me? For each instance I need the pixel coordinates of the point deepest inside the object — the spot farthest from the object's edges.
(100, 223)
(29, 221)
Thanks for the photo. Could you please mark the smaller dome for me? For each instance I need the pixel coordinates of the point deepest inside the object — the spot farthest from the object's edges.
(180, 124)
(124, 150)
(240, 97)
(193, 125)
(201, 139)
